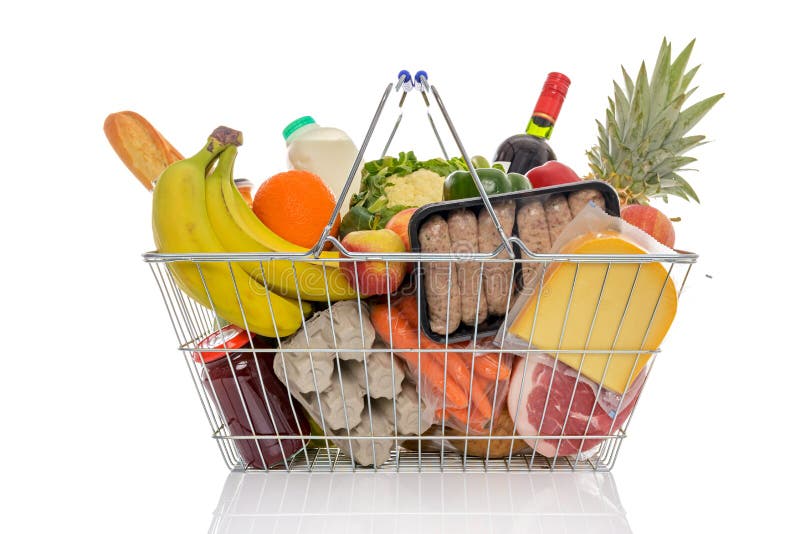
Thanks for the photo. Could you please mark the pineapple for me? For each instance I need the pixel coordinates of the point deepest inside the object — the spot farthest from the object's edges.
(640, 149)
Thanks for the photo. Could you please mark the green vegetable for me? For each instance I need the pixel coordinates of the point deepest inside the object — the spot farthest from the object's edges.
(519, 182)
(479, 162)
(385, 173)
(461, 185)
(358, 218)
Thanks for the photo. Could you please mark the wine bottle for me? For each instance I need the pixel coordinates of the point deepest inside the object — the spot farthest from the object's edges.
(522, 152)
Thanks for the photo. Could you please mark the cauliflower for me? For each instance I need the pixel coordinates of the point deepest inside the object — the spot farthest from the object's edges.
(389, 185)
(416, 189)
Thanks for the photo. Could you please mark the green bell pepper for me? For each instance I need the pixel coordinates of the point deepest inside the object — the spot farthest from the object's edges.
(519, 182)
(479, 162)
(459, 184)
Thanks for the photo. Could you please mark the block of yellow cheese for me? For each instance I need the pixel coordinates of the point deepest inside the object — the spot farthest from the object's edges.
(564, 316)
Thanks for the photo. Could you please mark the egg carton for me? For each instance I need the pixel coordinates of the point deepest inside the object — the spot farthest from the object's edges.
(384, 413)
(332, 384)
(385, 373)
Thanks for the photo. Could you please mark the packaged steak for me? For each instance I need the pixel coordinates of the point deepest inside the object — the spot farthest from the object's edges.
(548, 400)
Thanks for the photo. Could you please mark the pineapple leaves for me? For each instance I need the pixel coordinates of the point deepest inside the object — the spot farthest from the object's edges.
(685, 187)
(640, 148)
(660, 82)
(639, 107)
(687, 79)
(676, 75)
(621, 108)
(628, 82)
(674, 184)
(672, 164)
(682, 145)
(692, 115)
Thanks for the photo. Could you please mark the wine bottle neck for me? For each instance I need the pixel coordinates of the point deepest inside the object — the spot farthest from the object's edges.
(540, 126)
(548, 106)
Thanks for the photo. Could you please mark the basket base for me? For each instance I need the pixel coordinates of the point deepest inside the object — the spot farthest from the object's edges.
(404, 461)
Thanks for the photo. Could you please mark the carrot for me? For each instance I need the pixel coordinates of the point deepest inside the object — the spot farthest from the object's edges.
(486, 365)
(481, 388)
(401, 334)
(407, 306)
(402, 337)
(457, 370)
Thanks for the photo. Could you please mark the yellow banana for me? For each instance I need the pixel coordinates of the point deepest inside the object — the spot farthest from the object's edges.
(181, 225)
(251, 224)
(231, 217)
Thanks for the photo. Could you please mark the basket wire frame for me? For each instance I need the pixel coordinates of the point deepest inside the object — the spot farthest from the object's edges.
(192, 323)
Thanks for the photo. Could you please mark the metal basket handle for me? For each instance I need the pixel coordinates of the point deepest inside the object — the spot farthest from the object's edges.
(473, 173)
(325, 237)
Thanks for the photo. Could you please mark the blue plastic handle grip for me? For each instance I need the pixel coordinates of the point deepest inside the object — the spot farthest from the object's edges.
(404, 76)
(419, 75)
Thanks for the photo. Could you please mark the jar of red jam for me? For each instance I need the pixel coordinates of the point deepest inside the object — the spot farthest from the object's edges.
(251, 403)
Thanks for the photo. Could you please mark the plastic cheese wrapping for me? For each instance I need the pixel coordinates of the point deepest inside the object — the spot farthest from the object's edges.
(331, 385)
(564, 403)
(597, 306)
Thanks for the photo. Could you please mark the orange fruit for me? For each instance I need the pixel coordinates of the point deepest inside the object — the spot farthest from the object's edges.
(296, 205)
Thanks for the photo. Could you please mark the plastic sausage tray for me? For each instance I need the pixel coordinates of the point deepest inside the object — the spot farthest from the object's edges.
(492, 324)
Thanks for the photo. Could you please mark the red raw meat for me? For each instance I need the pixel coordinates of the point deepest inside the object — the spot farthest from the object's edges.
(534, 419)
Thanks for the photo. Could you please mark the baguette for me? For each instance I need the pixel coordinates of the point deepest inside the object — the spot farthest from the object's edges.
(141, 147)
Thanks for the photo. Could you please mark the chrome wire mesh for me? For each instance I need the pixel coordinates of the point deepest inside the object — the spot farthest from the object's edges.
(435, 450)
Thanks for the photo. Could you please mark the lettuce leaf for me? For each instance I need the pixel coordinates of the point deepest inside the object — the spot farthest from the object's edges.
(376, 177)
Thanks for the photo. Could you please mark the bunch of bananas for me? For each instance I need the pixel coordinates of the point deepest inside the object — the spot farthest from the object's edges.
(198, 209)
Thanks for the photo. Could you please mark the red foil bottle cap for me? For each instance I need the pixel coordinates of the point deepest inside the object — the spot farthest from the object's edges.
(227, 339)
(553, 93)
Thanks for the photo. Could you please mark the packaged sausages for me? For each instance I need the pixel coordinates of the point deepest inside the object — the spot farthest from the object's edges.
(468, 296)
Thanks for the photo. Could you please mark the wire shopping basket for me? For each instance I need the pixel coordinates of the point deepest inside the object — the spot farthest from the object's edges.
(364, 384)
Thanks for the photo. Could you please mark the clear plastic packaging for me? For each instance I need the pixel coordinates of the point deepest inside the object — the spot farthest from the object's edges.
(465, 429)
(461, 384)
(548, 398)
(600, 318)
(484, 376)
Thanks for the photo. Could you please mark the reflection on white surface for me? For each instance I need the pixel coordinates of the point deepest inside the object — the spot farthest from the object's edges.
(405, 503)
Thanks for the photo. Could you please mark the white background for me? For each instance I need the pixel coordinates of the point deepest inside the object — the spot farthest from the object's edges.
(101, 428)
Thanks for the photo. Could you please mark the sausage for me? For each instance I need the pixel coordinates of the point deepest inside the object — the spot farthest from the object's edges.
(579, 199)
(556, 209)
(434, 237)
(496, 275)
(463, 227)
(533, 231)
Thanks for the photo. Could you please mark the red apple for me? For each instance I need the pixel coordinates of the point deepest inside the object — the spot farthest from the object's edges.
(399, 225)
(370, 277)
(651, 221)
(551, 173)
